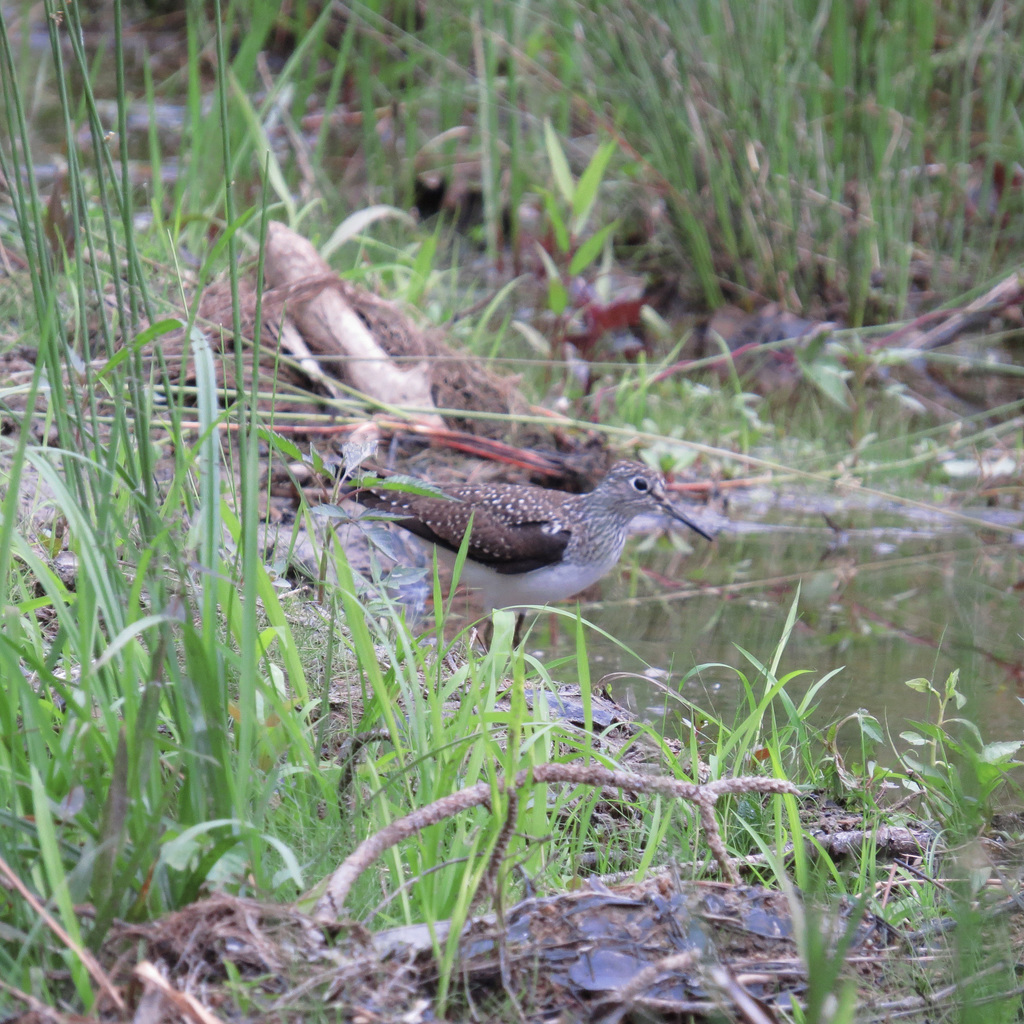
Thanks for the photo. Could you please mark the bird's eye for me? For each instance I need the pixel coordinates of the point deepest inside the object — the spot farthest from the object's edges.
(641, 484)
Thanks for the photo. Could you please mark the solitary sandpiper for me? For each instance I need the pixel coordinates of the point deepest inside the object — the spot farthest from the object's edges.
(530, 545)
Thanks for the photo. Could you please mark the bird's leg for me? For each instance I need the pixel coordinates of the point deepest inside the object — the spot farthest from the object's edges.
(517, 634)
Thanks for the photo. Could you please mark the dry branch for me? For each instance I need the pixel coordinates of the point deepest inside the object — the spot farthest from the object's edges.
(329, 906)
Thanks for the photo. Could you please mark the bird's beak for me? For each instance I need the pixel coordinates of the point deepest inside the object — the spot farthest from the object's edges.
(675, 513)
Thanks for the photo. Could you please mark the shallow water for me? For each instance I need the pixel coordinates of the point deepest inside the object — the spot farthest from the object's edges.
(894, 595)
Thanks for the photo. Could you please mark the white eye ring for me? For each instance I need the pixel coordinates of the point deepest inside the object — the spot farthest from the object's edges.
(641, 484)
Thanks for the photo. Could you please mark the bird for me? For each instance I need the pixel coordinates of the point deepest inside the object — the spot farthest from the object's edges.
(531, 545)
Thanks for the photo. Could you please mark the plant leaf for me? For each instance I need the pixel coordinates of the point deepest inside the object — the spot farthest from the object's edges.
(557, 222)
(559, 165)
(589, 185)
(999, 752)
(558, 297)
(591, 248)
(920, 684)
(356, 223)
(829, 377)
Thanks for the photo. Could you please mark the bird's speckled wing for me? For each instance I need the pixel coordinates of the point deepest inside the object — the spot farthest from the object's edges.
(499, 539)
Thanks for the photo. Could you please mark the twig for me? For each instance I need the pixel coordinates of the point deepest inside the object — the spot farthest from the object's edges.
(330, 905)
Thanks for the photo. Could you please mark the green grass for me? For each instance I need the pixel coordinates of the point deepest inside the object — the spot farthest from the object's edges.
(166, 722)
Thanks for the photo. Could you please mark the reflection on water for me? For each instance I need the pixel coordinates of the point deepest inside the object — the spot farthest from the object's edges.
(885, 602)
